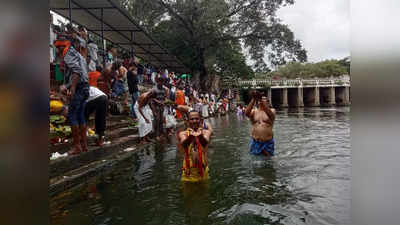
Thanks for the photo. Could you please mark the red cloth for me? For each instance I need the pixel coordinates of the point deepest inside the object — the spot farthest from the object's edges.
(179, 100)
(93, 76)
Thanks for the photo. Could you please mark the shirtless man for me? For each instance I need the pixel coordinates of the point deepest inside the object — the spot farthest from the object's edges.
(144, 114)
(161, 96)
(262, 120)
(194, 141)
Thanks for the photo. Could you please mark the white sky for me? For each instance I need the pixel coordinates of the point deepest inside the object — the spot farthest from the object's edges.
(322, 26)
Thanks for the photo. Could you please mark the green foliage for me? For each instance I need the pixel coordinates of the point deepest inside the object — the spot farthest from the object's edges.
(346, 63)
(208, 35)
(322, 69)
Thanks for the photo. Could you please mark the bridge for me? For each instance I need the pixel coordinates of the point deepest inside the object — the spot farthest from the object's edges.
(297, 92)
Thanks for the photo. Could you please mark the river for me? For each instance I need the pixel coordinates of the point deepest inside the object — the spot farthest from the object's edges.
(307, 182)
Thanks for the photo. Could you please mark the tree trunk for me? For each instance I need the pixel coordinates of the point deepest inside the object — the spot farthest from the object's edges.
(203, 71)
(215, 84)
(196, 79)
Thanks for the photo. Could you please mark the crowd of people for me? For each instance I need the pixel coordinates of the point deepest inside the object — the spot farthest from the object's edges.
(84, 87)
(89, 88)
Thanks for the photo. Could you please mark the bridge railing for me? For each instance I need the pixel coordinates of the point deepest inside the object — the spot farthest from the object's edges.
(291, 82)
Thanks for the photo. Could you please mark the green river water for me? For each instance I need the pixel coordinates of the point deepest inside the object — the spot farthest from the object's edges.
(307, 182)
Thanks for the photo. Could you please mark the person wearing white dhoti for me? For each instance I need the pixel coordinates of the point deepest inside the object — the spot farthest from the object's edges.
(170, 121)
(204, 110)
(145, 119)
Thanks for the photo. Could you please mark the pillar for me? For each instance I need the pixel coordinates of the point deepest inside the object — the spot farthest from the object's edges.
(284, 97)
(316, 97)
(346, 96)
(70, 12)
(332, 97)
(300, 102)
(270, 96)
(102, 39)
(237, 92)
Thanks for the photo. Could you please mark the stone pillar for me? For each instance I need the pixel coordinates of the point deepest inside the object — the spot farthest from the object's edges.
(316, 97)
(237, 93)
(284, 97)
(300, 102)
(332, 97)
(346, 96)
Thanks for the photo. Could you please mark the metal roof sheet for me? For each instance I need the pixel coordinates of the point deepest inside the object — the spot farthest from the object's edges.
(118, 28)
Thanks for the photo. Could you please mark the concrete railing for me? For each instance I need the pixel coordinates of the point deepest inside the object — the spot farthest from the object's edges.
(334, 82)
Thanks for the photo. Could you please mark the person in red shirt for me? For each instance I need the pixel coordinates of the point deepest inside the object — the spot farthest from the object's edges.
(94, 75)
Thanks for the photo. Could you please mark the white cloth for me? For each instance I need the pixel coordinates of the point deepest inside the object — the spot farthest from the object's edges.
(153, 77)
(170, 121)
(81, 41)
(213, 97)
(204, 111)
(92, 66)
(198, 107)
(94, 93)
(92, 50)
(211, 108)
(52, 49)
(144, 128)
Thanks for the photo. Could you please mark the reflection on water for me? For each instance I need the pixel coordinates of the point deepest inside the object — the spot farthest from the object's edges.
(307, 182)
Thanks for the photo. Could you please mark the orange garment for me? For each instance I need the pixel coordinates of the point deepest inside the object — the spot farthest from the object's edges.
(64, 43)
(179, 100)
(93, 76)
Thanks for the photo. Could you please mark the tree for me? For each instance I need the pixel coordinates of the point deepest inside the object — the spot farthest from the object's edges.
(346, 63)
(322, 69)
(208, 35)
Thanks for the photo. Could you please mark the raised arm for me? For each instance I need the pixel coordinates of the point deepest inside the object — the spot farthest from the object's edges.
(183, 108)
(249, 109)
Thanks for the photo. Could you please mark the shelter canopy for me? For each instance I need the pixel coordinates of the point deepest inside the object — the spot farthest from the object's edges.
(118, 27)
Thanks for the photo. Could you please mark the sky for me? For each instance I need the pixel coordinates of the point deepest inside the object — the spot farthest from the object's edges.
(322, 26)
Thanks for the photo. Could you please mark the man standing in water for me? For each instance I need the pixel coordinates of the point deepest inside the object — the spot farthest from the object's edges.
(262, 120)
(194, 141)
(161, 92)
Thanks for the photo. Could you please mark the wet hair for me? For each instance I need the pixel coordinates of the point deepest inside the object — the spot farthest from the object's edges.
(192, 111)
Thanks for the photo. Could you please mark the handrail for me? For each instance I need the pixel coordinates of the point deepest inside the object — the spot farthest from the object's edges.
(341, 81)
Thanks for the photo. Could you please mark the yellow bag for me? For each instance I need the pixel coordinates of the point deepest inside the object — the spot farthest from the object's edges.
(56, 106)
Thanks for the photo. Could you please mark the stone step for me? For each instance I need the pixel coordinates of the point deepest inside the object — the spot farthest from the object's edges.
(82, 174)
(110, 135)
(65, 164)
